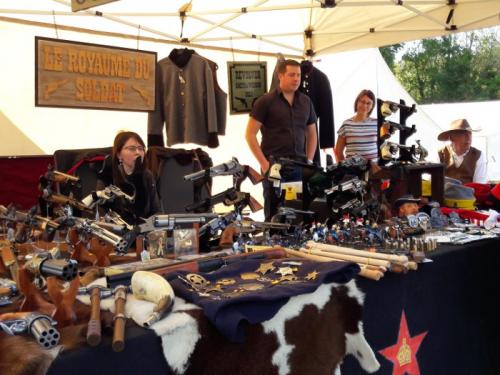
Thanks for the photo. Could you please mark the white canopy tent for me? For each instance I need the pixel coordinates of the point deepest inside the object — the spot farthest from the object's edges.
(269, 26)
(26, 129)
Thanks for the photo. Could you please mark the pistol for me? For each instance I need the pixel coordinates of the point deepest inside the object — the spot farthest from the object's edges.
(40, 326)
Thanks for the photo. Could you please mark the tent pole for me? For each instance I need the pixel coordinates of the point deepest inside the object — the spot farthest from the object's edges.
(224, 21)
(249, 35)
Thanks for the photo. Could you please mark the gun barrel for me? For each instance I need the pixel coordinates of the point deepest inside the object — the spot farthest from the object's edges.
(57, 176)
(197, 175)
(120, 245)
(64, 269)
(119, 229)
(228, 168)
(42, 329)
(170, 220)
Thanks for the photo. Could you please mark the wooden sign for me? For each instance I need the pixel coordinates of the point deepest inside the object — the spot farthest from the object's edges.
(77, 5)
(82, 75)
(247, 82)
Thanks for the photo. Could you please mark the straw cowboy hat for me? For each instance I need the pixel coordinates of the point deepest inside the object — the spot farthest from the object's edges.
(457, 125)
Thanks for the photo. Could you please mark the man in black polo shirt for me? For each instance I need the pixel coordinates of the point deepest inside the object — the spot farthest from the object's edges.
(287, 121)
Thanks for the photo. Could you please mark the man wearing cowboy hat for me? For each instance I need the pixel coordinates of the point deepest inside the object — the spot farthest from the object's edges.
(406, 205)
(462, 162)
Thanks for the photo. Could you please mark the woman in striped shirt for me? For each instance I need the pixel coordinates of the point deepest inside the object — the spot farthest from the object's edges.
(358, 135)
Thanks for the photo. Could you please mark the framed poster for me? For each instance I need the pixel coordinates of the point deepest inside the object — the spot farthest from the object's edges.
(247, 82)
(82, 75)
(77, 5)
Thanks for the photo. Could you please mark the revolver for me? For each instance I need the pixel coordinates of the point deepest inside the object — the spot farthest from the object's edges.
(40, 326)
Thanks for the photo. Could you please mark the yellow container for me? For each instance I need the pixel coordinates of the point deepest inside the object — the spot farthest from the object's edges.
(426, 188)
(466, 204)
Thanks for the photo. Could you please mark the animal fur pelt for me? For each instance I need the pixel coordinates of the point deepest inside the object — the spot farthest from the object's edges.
(311, 333)
(20, 355)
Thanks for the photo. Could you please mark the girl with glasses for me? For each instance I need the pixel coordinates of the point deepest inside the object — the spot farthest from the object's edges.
(128, 173)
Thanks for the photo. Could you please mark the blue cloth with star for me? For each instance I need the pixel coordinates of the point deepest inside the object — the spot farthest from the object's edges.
(231, 313)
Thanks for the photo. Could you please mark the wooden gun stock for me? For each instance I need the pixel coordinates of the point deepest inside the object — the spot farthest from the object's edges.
(254, 176)
(227, 236)
(254, 204)
(10, 261)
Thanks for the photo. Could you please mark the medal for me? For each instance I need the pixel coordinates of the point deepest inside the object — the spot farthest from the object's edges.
(249, 276)
(312, 275)
(265, 268)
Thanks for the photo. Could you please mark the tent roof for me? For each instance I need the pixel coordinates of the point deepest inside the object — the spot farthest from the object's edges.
(264, 26)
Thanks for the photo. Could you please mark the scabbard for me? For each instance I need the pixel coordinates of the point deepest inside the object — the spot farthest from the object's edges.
(119, 327)
(94, 327)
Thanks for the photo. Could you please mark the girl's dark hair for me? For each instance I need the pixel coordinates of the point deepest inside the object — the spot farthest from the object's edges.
(368, 93)
(120, 140)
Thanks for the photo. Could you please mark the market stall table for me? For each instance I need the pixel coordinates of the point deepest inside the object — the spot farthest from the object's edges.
(449, 325)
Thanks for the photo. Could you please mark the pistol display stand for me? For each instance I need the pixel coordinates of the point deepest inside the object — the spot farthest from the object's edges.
(407, 179)
(405, 174)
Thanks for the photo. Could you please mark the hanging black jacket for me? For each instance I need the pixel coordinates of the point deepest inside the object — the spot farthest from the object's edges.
(315, 84)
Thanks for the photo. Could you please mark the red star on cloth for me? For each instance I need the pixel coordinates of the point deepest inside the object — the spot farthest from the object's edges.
(404, 353)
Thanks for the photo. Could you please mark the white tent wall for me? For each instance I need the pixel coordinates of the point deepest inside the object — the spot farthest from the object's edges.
(351, 72)
(44, 130)
(30, 130)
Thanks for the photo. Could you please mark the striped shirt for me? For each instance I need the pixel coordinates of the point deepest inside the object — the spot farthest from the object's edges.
(360, 138)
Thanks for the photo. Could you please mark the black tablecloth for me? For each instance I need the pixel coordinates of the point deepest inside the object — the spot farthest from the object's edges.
(450, 300)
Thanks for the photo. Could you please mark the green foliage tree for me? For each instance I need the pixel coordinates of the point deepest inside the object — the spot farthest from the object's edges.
(451, 68)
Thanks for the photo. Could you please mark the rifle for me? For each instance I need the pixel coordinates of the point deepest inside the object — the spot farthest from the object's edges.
(168, 222)
(203, 264)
